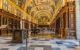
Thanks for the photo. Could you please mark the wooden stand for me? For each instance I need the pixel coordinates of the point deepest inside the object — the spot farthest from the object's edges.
(17, 36)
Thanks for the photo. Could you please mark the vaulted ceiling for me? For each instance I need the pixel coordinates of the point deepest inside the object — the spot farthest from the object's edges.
(42, 10)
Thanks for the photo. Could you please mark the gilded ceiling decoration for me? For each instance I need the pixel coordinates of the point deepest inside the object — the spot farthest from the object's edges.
(42, 10)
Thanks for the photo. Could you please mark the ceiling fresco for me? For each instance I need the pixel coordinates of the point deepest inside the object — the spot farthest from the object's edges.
(42, 10)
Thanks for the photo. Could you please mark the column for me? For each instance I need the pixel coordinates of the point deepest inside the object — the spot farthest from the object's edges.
(0, 25)
(78, 18)
(67, 23)
(61, 27)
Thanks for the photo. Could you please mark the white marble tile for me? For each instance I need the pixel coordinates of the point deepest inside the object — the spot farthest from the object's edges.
(38, 48)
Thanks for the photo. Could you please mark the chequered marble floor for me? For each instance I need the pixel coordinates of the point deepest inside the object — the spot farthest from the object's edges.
(6, 45)
(35, 45)
(52, 45)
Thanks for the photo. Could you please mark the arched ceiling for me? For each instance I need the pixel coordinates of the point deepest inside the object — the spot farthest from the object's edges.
(42, 10)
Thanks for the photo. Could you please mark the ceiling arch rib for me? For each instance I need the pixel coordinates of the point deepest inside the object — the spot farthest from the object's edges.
(43, 20)
(44, 12)
(39, 6)
(41, 17)
(42, 7)
(47, 2)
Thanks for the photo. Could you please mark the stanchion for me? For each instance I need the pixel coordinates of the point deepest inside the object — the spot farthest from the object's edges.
(26, 39)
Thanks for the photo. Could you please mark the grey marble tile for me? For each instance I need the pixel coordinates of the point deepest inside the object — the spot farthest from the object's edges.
(21, 48)
(56, 48)
(45, 47)
(12, 45)
(30, 48)
(4, 49)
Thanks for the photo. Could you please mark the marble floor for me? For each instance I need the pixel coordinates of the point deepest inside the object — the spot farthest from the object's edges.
(39, 44)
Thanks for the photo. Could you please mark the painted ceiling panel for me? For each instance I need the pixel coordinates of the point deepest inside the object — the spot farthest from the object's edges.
(36, 7)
